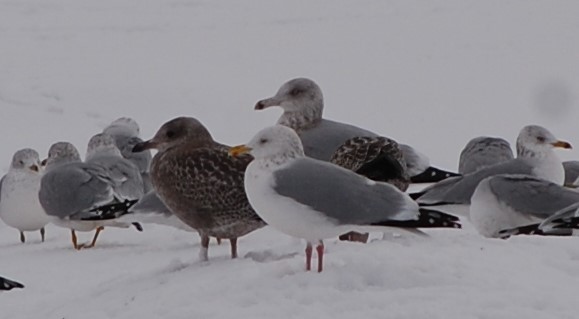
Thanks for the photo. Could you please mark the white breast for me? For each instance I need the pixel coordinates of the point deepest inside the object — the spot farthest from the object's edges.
(19, 204)
(489, 216)
(284, 213)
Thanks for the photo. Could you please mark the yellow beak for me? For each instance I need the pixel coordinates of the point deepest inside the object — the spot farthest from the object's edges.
(562, 144)
(239, 150)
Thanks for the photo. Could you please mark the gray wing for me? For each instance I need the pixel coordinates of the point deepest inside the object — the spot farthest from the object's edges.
(341, 195)
(571, 173)
(73, 188)
(459, 190)
(323, 139)
(127, 180)
(482, 152)
(530, 195)
(142, 159)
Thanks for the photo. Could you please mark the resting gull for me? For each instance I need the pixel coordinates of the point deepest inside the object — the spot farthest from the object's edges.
(200, 183)
(504, 202)
(126, 133)
(19, 205)
(483, 151)
(312, 199)
(364, 155)
(535, 156)
(71, 190)
(6, 284)
(302, 102)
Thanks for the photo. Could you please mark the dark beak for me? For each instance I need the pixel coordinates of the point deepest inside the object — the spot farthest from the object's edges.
(264, 104)
(34, 168)
(143, 146)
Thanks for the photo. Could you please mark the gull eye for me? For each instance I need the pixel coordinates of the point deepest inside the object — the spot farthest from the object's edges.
(170, 134)
(541, 139)
(295, 92)
(263, 141)
(21, 162)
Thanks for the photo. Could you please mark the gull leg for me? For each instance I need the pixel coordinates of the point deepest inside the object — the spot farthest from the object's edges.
(94, 239)
(74, 240)
(320, 250)
(233, 242)
(309, 256)
(42, 232)
(22, 238)
(203, 255)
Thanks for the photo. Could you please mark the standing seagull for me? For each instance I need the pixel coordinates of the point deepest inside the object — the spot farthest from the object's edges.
(200, 183)
(19, 205)
(303, 104)
(6, 284)
(71, 189)
(535, 157)
(311, 199)
(126, 133)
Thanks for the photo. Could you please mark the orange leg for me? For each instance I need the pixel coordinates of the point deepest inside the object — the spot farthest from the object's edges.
(74, 240)
(94, 239)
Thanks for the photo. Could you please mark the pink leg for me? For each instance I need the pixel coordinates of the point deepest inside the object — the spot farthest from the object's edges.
(320, 250)
(233, 242)
(309, 256)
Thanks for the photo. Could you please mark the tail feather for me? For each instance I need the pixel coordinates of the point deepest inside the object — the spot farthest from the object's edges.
(432, 175)
(426, 219)
(110, 211)
(6, 284)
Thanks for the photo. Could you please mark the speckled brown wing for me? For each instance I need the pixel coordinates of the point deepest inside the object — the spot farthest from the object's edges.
(204, 188)
(378, 158)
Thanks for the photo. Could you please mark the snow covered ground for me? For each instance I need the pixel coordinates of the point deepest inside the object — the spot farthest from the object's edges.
(432, 74)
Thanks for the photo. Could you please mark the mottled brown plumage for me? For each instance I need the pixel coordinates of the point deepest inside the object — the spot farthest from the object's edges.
(200, 183)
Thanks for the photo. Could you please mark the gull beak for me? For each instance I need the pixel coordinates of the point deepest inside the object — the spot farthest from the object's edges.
(239, 150)
(264, 104)
(34, 168)
(143, 146)
(562, 144)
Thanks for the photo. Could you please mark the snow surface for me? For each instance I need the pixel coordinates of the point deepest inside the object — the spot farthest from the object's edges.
(432, 74)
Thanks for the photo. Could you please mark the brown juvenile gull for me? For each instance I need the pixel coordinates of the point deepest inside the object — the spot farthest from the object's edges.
(200, 183)
(303, 104)
(377, 158)
(483, 151)
(314, 200)
(71, 189)
(535, 157)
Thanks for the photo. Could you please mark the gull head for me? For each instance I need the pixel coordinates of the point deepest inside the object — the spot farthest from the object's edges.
(299, 95)
(124, 126)
(177, 131)
(272, 142)
(26, 159)
(61, 153)
(534, 140)
(102, 144)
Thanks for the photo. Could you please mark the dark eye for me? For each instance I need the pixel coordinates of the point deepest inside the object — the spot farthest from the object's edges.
(263, 141)
(541, 139)
(21, 162)
(295, 92)
(170, 134)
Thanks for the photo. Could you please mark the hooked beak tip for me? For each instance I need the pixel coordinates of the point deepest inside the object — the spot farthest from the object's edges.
(143, 146)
